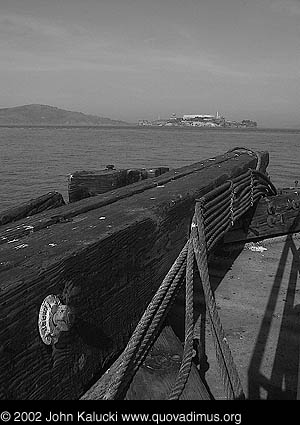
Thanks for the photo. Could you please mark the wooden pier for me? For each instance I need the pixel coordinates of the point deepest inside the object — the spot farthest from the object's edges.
(105, 256)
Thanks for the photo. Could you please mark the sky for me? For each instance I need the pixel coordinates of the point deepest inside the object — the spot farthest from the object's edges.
(144, 59)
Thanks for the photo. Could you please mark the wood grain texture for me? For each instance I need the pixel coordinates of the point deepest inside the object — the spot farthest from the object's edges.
(84, 184)
(104, 258)
(34, 206)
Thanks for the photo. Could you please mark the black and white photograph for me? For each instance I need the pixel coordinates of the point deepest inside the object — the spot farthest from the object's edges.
(149, 208)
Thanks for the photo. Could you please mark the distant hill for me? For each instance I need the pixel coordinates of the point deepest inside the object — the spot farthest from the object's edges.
(50, 115)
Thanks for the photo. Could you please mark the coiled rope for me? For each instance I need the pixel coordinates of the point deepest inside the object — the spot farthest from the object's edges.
(215, 213)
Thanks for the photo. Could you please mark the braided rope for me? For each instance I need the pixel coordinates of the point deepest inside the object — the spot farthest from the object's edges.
(241, 197)
(139, 339)
(228, 370)
(154, 328)
(186, 364)
(252, 188)
(232, 197)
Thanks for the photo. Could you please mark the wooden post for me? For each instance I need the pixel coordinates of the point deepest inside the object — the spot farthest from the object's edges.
(83, 184)
(105, 258)
(34, 206)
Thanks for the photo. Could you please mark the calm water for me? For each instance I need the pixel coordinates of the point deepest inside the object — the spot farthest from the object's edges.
(35, 161)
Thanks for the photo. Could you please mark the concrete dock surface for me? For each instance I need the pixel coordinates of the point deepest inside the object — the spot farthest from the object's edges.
(257, 291)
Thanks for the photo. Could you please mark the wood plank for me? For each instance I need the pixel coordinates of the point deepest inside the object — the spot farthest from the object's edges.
(34, 206)
(106, 263)
(298, 384)
(272, 216)
(84, 184)
(156, 377)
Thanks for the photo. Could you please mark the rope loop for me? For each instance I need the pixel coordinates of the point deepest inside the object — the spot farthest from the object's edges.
(186, 364)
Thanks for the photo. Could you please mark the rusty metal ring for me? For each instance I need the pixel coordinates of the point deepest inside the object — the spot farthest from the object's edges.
(54, 318)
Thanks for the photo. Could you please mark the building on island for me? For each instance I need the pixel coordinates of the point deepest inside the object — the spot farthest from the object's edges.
(199, 120)
(204, 120)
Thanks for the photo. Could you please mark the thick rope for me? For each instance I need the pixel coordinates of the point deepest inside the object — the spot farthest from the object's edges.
(243, 197)
(187, 357)
(234, 198)
(228, 370)
(120, 371)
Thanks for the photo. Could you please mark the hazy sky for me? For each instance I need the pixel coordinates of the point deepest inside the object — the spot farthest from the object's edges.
(135, 59)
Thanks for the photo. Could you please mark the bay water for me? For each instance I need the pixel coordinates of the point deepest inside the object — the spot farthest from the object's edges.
(36, 160)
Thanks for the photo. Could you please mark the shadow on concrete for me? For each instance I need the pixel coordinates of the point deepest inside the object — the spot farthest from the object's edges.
(284, 376)
(283, 382)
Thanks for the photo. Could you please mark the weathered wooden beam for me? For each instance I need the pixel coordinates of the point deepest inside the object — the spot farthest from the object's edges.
(272, 216)
(34, 206)
(105, 262)
(298, 383)
(69, 211)
(83, 184)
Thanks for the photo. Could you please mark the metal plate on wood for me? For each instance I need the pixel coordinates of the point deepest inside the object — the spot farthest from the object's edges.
(47, 328)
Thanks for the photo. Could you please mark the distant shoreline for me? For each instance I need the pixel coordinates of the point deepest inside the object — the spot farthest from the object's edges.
(152, 127)
(65, 126)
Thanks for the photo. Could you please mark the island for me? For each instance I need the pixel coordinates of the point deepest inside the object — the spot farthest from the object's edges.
(199, 120)
(45, 115)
